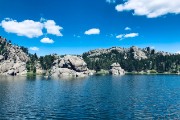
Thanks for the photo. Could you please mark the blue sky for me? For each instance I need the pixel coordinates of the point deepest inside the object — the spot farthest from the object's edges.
(76, 26)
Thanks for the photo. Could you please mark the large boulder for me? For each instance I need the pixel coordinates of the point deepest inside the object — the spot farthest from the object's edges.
(75, 63)
(116, 69)
(70, 66)
(10, 68)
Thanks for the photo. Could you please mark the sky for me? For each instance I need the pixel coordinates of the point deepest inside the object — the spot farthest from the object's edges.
(77, 26)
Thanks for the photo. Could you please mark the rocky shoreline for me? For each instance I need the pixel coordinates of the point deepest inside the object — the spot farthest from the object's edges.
(15, 60)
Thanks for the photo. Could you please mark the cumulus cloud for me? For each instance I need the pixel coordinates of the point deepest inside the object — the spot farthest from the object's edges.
(34, 48)
(111, 1)
(127, 28)
(150, 8)
(92, 31)
(129, 35)
(47, 40)
(52, 28)
(28, 28)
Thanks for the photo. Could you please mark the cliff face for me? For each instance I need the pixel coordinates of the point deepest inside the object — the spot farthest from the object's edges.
(12, 59)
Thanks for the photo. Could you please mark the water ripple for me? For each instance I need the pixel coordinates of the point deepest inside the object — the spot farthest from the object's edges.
(97, 97)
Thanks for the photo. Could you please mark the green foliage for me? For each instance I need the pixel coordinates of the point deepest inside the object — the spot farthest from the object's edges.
(3, 48)
(156, 62)
(30, 65)
(102, 72)
(25, 50)
(152, 71)
(47, 61)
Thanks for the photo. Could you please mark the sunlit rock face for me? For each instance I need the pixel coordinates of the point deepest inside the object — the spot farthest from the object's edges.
(69, 66)
(12, 59)
(127, 53)
(116, 69)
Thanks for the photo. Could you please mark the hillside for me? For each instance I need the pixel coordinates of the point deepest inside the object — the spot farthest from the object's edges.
(13, 58)
(133, 59)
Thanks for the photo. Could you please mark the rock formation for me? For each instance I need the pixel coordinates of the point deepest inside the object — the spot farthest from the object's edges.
(12, 59)
(69, 66)
(127, 53)
(138, 53)
(39, 70)
(116, 69)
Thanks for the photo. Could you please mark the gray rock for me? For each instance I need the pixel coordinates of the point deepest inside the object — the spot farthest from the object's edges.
(138, 53)
(135, 51)
(11, 72)
(15, 61)
(39, 69)
(1, 57)
(116, 69)
(69, 66)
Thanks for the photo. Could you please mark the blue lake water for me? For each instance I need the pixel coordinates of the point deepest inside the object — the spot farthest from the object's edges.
(95, 97)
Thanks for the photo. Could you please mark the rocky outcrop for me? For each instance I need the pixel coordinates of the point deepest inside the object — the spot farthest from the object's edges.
(39, 70)
(12, 59)
(69, 66)
(138, 53)
(127, 53)
(116, 69)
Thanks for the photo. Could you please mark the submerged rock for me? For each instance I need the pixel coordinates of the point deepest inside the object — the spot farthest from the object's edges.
(116, 69)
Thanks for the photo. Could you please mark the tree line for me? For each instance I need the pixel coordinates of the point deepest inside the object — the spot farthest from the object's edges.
(155, 62)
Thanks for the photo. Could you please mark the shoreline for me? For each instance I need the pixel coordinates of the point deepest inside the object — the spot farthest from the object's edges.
(97, 74)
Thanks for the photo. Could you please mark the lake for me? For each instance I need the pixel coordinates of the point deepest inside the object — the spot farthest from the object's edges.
(95, 97)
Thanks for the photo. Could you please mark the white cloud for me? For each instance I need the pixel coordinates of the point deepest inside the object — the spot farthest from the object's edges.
(47, 40)
(92, 31)
(130, 35)
(120, 36)
(111, 1)
(150, 8)
(127, 28)
(52, 28)
(34, 48)
(28, 28)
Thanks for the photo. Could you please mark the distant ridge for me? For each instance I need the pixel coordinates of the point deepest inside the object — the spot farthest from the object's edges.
(15, 60)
